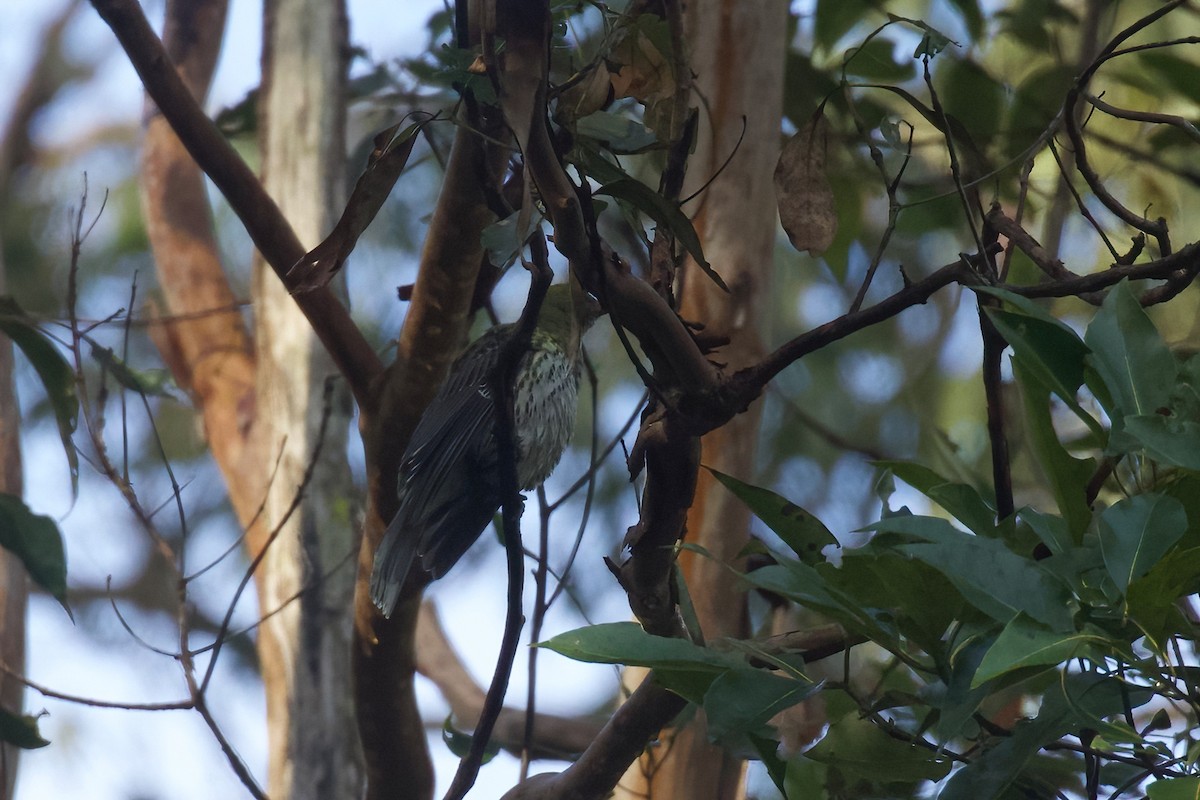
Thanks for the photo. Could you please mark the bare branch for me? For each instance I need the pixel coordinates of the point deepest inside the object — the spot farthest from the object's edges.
(555, 737)
(275, 239)
(45, 691)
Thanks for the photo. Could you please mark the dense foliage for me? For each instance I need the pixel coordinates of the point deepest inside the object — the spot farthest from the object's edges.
(992, 490)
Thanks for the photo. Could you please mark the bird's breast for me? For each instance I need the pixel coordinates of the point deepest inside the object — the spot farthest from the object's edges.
(544, 413)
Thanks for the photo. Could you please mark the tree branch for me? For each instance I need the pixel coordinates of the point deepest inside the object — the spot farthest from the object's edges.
(555, 736)
(275, 239)
(435, 329)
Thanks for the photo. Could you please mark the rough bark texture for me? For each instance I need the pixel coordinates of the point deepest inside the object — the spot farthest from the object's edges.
(389, 721)
(305, 649)
(737, 56)
(209, 349)
(14, 581)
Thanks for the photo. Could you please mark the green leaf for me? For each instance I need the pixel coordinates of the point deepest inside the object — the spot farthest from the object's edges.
(1050, 349)
(503, 241)
(1174, 789)
(932, 42)
(58, 379)
(20, 730)
(951, 124)
(876, 60)
(776, 767)
(459, 742)
(620, 133)
(1136, 533)
(1151, 599)
(687, 609)
(743, 700)
(955, 700)
(627, 643)
(1166, 439)
(807, 587)
(1025, 643)
(801, 531)
(991, 577)
(1181, 74)
(963, 502)
(1050, 529)
(1073, 702)
(808, 779)
(1129, 355)
(35, 540)
(970, 94)
(663, 212)
(150, 382)
(1067, 476)
(858, 746)
(972, 16)
(834, 18)
(923, 601)
(1036, 102)
(595, 163)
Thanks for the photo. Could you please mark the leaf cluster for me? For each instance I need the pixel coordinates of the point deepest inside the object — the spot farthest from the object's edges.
(1078, 615)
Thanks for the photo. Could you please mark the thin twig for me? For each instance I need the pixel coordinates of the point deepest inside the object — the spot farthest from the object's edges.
(45, 691)
(274, 237)
(293, 506)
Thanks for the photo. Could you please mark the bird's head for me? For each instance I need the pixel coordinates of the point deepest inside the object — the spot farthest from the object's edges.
(567, 313)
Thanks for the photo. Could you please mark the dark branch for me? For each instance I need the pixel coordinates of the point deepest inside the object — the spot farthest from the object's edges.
(271, 233)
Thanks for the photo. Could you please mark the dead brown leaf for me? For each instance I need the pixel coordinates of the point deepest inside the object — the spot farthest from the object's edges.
(386, 162)
(802, 190)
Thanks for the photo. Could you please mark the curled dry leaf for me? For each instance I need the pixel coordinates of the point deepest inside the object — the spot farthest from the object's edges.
(386, 162)
(802, 190)
(642, 65)
(591, 93)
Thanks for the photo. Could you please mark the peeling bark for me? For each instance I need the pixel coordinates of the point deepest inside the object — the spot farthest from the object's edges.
(737, 57)
(308, 572)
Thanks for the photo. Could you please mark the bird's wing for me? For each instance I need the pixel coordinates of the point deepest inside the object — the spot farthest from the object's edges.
(446, 485)
(448, 446)
(392, 562)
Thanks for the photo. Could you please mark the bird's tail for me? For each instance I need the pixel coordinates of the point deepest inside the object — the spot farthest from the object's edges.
(392, 562)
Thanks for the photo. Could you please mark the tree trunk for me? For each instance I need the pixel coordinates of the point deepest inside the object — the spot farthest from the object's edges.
(309, 568)
(14, 581)
(737, 52)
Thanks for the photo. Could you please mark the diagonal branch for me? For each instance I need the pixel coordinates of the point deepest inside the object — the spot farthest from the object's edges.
(275, 239)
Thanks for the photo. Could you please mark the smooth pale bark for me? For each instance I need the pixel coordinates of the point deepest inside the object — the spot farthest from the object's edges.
(737, 53)
(309, 568)
(44, 78)
(14, 581)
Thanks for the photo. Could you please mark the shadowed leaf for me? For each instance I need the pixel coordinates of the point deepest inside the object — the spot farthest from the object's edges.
(386, 162)
(1129, 354)
(802, 190)
(744, 700)
(20, 730)
(990, 576)
(1024, 643)
(35, 540)
(861, 748)
(153, 382)
(1175, 789)
(799, 530)
(1138, 531)
(56, 375)
(663, 212)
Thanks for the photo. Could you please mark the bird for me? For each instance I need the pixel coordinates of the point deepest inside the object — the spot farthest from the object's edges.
(449, 477)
